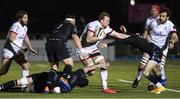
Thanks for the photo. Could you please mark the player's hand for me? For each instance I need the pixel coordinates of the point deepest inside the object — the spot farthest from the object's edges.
(25, 49)
(171, 44)
(103, 45)
(33, 52)
(123, 29)
(83, 53)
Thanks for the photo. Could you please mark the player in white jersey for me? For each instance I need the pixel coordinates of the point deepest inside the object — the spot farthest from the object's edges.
(154, 15)
(13, 49)
(94, 32)
(163, 34)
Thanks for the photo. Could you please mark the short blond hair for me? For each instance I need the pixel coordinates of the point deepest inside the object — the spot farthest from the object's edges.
(102, 15)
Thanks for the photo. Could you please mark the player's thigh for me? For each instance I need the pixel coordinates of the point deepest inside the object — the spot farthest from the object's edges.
(99, 59)
(149, 66)
(5, 65)
(51, 52)
(68, 61)
(87, 60)
(22, 61)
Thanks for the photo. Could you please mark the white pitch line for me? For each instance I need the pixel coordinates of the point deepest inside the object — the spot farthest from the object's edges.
(130, 82)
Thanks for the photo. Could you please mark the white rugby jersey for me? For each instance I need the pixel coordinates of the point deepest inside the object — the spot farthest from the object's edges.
(93, 26)
(149, 20)
(160, 33)
(20, 34)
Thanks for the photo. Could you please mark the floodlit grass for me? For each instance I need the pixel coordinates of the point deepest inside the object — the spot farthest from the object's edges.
(125, 70)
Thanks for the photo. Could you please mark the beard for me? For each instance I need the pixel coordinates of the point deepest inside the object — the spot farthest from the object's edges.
(23, 23)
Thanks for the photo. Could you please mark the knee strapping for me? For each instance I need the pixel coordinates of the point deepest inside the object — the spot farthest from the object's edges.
(98, 59)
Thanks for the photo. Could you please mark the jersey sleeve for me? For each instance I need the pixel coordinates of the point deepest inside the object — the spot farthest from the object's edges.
(172, 28)
(14, 28)
(91, 27)
(146, 24)
(74, 30)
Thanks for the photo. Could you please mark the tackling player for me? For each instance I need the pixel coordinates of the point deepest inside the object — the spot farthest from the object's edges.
(135, 41)
(162, 33)
(37, 81)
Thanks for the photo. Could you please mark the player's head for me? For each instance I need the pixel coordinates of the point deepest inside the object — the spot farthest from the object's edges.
(71, 18)
(82, 82)
(104, 19)
(22, 17)
(155, 10)
(165, 13)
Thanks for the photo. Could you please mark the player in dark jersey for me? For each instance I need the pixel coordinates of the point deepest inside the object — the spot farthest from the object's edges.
(136, 41)
(57, 48)
(38, 81)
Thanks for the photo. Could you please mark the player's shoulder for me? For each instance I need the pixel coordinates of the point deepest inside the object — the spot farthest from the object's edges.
(15, 24)
(94, 23)
(169, 22)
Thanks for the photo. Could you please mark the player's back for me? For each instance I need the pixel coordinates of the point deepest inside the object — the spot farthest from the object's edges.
(62, 31)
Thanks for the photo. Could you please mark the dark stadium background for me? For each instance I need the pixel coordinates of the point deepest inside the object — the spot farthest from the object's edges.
(43, 14)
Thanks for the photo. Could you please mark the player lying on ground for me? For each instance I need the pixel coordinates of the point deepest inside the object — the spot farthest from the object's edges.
(37, 81)
(135, 41)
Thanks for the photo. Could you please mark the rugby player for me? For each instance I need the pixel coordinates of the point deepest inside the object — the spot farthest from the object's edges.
(57, 48)
(162, 33)
(37, 81)
(136, 41)
(13, 47)
(93, 33)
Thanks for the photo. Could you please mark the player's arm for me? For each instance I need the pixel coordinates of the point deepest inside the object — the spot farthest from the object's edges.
(12, 36)
(173, 40)
(76, 41)
(120, 35)
(91, 38)
(28, 44)
(146, 33)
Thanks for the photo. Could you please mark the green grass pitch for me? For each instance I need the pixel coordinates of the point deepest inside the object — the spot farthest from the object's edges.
(124, 70)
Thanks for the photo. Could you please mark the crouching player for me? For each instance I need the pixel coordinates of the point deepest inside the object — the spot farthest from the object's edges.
(37, 81)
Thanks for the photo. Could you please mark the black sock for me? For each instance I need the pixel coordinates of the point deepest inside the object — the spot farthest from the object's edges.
(67, 69)
(139, 69)
(9, 84)
(51, 76)
(158, 77)
(152, 78)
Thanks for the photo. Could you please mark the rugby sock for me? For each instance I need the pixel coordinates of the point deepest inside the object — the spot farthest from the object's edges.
(162, 64)
(152, 78)
(67, 69)
(51, 76)
(163, 73)
(104, 76)
(8, 84)
(139, 74)
(25, 73)
(158, 77)
(158, 84)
